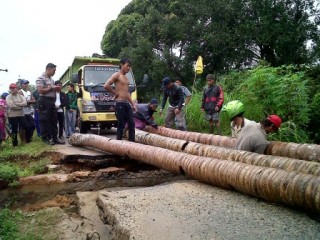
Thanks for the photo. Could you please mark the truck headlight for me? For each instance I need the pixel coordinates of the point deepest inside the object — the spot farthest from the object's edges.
(88, 106)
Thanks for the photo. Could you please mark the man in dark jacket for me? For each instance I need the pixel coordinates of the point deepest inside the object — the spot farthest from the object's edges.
(212, 100)
(144, 114)
(60, 103)
(176, 107)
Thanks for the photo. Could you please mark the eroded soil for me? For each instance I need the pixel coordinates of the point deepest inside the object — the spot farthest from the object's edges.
(60, 203)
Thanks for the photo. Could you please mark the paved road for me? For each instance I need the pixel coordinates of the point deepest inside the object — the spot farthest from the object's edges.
(193, 210)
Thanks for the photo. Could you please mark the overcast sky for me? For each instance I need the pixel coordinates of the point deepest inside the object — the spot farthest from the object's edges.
(36, 32)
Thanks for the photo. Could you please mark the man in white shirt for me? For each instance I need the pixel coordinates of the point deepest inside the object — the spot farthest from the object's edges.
(60, 103)
(28, 127)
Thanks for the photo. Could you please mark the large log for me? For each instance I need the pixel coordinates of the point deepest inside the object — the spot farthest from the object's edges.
(274, 185)
(288, 164)
(308, 152)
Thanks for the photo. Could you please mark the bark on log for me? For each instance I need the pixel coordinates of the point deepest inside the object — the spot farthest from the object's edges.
(288, 164)
(308, 152)
(291, 188)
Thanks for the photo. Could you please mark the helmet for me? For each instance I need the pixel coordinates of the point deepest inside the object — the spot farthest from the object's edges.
(233, 108)
(276, 120)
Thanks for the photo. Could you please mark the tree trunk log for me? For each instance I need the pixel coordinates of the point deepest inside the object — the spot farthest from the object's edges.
(288, 164)
(274, 185)
(308, 152)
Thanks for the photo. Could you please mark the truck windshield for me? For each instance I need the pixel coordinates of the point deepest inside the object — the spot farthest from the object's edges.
(98, 75)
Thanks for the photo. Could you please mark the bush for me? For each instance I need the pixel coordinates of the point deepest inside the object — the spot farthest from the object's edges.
(283, 91)
(314, 126)
(8, 226)
(8, 172)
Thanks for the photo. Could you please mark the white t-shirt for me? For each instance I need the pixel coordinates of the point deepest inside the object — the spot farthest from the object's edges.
(28, 110)
(58, 102)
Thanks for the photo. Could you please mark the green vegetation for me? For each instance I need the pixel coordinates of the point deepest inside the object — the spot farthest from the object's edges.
(285, 91)
(166, 37)
(17, 225)
(266, 54)
(24, 160)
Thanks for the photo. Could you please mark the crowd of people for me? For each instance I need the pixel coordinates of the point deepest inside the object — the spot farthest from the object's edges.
(53, 113)
(251, 136)
(48, 110)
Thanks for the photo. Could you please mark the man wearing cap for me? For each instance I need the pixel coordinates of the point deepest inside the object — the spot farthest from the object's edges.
(15, 104)
(175, 110)
(46, 103)
(253, 137)
(27, 122)
(144, 114)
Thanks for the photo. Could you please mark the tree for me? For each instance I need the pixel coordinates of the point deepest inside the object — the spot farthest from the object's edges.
(281, 29)
(169, 35)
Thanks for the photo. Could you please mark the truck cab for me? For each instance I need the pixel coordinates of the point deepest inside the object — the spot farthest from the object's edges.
(96, 105)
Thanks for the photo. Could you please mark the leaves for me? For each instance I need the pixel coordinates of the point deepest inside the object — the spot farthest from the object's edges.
(227, 34)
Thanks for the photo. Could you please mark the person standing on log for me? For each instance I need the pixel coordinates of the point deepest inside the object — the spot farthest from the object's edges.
(125, 106)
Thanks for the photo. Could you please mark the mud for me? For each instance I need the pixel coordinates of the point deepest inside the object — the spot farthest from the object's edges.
(87, 194)
(67, 192)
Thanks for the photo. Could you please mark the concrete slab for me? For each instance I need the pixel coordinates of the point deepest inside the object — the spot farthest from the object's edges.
(68, 149)
(193, 210)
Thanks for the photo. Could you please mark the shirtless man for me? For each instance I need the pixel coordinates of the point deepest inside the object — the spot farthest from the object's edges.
(124, 104)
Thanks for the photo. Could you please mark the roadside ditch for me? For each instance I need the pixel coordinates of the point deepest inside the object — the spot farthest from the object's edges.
(61, 202)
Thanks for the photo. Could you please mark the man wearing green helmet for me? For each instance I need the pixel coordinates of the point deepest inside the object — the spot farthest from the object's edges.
(253, 137)
(235, 110)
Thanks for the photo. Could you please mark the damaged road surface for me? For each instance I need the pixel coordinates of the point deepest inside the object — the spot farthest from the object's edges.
(91, 194)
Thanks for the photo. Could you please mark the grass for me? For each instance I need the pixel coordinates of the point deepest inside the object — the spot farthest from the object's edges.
(22, 161)
(195, 118)
(28, 226)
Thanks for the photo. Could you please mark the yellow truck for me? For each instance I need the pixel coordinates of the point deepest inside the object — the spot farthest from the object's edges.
(96, 105)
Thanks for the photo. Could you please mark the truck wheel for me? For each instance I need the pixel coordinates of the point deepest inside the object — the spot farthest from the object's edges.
(83, 127)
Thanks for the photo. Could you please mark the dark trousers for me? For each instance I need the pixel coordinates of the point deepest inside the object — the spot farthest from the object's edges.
(60, 116)
(48, 118)
(15, 123)
(36, 122)
(124, 116)
(28, 127)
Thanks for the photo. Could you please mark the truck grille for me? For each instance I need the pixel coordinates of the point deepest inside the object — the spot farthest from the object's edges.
(104, 106)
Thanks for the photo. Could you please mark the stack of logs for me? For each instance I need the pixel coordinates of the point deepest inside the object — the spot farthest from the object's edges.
(276, 177)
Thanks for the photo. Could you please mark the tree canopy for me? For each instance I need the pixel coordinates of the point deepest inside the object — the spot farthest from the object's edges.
(165, 37)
